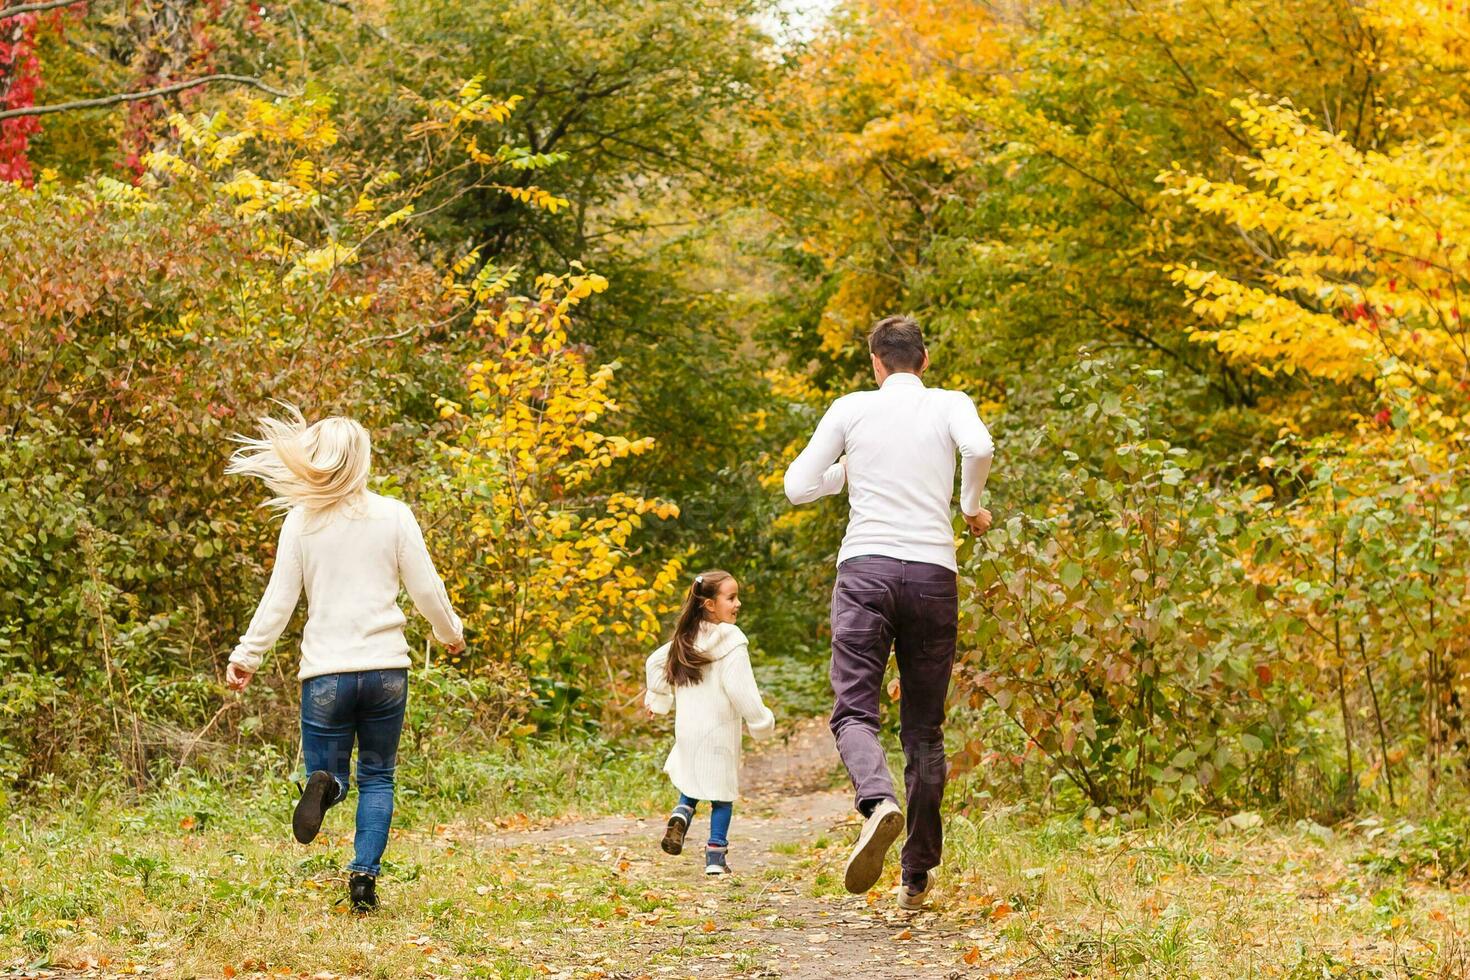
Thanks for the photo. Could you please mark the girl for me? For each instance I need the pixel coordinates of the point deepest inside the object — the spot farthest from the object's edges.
(349, 549)
(705, 671)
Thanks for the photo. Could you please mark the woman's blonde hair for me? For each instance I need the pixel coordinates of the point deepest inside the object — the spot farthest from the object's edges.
(317, 466)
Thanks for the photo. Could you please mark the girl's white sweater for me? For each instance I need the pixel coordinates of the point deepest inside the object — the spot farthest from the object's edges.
(705, 761)
(350, 561)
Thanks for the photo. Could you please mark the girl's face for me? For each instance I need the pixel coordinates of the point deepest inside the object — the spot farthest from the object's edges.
(724, 607)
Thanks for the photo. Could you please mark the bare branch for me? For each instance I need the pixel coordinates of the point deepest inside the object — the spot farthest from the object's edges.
(153, 93)
(33, 8)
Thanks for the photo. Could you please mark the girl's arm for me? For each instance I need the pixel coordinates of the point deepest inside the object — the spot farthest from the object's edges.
(423, 583)
(279, 601)
(740, 687)
(660, 696)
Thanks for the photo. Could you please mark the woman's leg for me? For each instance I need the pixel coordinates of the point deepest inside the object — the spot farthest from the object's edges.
(382, 698)
(328, 703)
(719, 823)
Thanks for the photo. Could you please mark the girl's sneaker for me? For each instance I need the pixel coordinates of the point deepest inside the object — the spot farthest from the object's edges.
(673, 841)
(715, 862)
(362, 892)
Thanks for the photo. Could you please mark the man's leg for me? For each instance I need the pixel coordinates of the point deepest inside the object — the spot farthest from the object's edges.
(862, 633)
(928, 616)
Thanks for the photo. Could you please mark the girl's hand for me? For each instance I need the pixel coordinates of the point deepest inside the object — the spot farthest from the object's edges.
(456, 647)
(237, 677)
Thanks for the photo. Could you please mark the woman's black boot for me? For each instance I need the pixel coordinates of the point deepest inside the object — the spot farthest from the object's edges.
(362, 891)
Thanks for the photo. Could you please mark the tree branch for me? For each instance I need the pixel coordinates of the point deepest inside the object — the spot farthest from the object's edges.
(32, 8)
(109, 100)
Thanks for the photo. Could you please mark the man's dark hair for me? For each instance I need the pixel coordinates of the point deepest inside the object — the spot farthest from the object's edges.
(898, 343)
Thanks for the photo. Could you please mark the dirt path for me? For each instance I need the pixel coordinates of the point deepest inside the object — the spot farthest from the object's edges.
(782, 914)
(593, 899)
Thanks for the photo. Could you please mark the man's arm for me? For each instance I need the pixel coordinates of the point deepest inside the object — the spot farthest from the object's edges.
(816, 472)
(976, 449)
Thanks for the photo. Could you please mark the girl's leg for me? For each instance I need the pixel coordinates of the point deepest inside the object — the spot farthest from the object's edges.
(685, 808)
(328, 703)
(719, 823)
(382, 698)
(715, 862)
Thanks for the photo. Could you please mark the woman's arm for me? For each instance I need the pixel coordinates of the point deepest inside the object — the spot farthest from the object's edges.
(423, 583)
(278, 603)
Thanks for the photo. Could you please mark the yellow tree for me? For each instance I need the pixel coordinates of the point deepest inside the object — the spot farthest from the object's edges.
(864, 145)
(1362, 254)
(551, 562)
(1358, 289)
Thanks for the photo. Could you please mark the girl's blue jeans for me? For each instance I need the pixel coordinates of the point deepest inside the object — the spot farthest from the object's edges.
(719, 819)
(365, 707)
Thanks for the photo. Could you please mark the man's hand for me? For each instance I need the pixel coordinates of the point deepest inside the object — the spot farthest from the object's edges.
(237, 677)
(979, 523)
(455, 648)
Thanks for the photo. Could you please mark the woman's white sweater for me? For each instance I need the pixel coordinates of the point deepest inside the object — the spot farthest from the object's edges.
(350, 560)
(705, 761)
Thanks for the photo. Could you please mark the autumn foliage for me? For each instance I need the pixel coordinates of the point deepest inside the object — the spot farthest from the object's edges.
(1205, 263)
(1202, 265)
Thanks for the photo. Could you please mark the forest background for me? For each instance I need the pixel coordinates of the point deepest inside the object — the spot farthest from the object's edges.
(591, 272)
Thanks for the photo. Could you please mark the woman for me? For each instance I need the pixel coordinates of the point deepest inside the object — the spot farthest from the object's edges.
(350, 550)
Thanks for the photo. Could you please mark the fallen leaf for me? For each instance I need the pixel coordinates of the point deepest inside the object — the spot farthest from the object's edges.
(187, 823)
(1001, 911)
(973, 956)
(709, 925)
(623, 865)
(906, 934)
(229, 971)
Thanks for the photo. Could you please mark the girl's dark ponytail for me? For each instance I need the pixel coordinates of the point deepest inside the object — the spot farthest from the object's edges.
(686, 665)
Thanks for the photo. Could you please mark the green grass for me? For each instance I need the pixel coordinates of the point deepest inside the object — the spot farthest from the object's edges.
(200, 876)
(1188, 900)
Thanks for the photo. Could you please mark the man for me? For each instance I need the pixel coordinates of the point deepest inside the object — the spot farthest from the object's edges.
(896, 585)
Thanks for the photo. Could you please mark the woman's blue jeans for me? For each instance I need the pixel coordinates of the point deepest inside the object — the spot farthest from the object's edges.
(365, 707)
(719, 819)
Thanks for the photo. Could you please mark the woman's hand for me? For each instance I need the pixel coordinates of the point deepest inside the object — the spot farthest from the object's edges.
(237, 677)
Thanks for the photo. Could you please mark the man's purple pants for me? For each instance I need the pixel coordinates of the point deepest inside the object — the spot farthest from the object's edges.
(881, 603)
